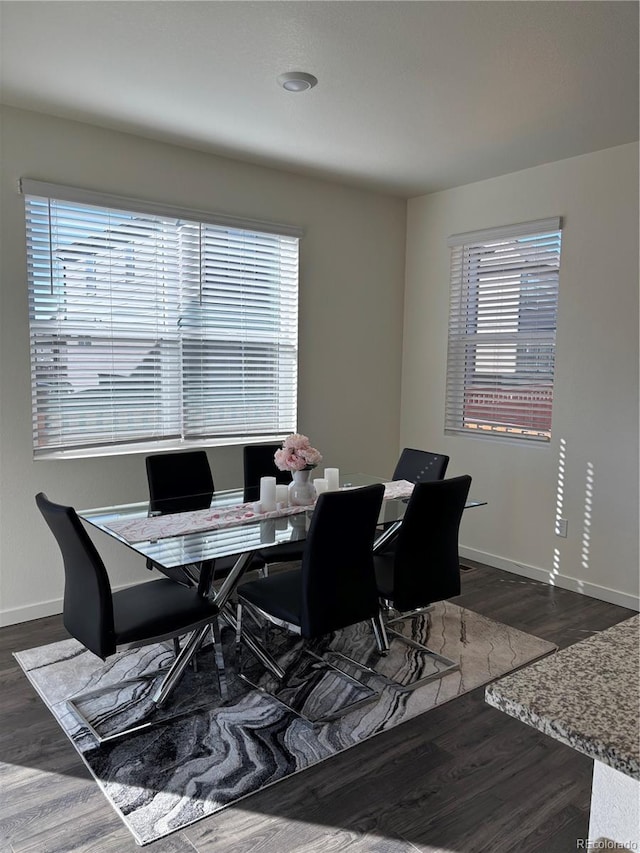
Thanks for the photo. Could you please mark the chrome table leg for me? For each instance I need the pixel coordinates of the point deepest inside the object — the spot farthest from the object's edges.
(254, 645)
(180, 664)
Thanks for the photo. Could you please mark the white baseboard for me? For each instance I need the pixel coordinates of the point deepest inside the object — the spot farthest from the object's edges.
(15, 615)
(593, 590)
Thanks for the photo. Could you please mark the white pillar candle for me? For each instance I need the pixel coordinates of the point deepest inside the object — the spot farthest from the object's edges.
(282, 495)
(268, 493)
(321, 485)
(333, 478)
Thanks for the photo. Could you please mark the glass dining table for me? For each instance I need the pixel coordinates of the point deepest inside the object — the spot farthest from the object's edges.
(230, 527)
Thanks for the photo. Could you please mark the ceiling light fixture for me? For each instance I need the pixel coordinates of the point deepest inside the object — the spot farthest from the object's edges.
(297, 81)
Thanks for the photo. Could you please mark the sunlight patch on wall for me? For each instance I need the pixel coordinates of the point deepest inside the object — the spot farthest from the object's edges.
(562, 464)
(587, 516)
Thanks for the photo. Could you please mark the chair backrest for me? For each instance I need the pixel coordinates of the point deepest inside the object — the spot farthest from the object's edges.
(179, 482)
(88, 606)
(338, 578)
(420, 466)
(258, 462)
(426, 564)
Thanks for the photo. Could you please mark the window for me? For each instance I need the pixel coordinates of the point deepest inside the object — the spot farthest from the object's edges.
(502, 331)
(153, 325)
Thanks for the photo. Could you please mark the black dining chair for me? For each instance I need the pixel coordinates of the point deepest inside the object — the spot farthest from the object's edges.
(420, 466)
(335, 584)
(180, 482)
(258, 462)
(106, 622)
(416, 466)
(424, 566)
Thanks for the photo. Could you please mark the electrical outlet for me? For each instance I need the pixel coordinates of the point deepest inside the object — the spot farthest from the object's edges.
(561, 527)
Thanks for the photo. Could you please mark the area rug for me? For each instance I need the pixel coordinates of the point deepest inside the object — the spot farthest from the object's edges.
(210, 752)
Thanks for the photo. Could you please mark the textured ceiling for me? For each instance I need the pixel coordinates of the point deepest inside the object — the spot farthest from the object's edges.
(412, 96)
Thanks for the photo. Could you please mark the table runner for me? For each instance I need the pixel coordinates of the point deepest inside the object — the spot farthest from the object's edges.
(199, 520)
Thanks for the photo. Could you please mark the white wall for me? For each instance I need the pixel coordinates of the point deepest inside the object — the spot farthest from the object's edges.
(595, 417)
(351, 294)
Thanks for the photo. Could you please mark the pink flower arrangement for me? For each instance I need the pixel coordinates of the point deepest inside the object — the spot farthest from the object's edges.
(296, 454)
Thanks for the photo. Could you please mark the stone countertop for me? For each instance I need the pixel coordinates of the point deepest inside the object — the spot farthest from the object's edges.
(586, 696)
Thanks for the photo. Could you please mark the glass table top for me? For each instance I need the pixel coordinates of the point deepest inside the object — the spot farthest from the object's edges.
(209, 544)
(249, 536)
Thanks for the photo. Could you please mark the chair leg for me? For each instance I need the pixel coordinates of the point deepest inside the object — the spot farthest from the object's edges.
(171, 678)
(293, 692)
(449, 664)
(380, 633)
(400, 615)
(441, 665)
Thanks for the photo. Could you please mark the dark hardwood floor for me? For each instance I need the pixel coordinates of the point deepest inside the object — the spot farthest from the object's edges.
(462, 778)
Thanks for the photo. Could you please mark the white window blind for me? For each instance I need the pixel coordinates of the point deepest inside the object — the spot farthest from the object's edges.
(149, 326)
(502, 330)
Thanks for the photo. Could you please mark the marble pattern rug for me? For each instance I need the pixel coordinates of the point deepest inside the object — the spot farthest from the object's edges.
(203, 752)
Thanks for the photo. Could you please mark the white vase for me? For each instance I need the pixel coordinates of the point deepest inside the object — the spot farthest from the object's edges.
(301, 490)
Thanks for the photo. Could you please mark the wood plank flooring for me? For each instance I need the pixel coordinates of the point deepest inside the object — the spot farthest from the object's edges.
(460, 779)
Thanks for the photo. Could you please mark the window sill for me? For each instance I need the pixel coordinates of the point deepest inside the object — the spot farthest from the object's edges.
(498, 438)
(146, 448)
